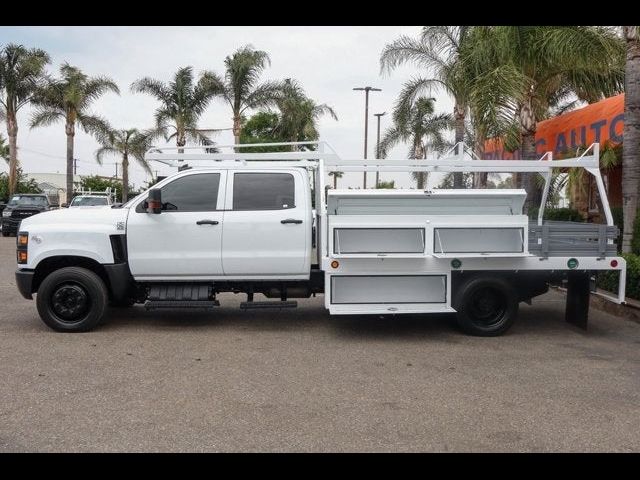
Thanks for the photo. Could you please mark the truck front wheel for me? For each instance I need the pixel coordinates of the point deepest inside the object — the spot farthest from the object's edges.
(486, 306)
(72, 299)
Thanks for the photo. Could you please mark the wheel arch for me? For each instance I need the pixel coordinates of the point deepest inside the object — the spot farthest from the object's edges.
(53, 263)
(526, 283)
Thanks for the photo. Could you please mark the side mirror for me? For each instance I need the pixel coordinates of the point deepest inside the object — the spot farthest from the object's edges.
(154, 201)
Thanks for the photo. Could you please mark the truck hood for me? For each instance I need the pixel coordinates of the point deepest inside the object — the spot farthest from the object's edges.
(74, 219)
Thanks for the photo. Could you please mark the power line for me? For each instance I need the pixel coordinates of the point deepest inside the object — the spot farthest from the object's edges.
(54, 156)
(41, 153)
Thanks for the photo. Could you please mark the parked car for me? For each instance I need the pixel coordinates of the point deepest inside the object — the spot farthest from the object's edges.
(90, 201)
(21, 206)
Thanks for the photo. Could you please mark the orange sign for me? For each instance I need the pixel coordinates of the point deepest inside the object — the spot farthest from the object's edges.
(598, 122)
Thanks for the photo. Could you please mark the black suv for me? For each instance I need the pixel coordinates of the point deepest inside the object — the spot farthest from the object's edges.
(21, 206)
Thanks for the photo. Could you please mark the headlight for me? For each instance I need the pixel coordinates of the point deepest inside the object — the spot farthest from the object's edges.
(6, 214)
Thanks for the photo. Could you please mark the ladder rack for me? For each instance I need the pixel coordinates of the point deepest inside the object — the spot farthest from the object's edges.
(325, 159)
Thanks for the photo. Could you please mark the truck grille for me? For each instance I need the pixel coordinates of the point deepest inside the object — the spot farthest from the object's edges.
(23, 213)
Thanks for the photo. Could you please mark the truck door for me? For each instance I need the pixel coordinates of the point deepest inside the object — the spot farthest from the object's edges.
(185, 240)
(267, 225)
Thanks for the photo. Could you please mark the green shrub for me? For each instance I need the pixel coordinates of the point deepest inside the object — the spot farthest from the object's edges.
(618, 221)
(608, 280)
(635, 241)
(25, 185)
(558, 214)
(391, 184)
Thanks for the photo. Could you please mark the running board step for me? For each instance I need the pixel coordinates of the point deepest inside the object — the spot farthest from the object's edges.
(252, 305)
(206, 304)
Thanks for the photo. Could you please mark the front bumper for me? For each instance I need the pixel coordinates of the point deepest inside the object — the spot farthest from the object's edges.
(24, 280)
(11, 225)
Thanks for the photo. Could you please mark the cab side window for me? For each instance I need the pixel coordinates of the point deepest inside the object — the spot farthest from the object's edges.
(263, 191)
(193, 193)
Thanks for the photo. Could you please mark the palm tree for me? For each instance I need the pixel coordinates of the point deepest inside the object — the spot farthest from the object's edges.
(631, 150)
(240, 86)
(127, 143)
(299, 114)
(523, 71)
(439, 50)
(414, 122)
(68, 99)
(182, 104)
(21, 73)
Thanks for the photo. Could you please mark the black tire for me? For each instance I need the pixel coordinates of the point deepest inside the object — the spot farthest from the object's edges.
(486, 306)
(5, 234)
(72, 299)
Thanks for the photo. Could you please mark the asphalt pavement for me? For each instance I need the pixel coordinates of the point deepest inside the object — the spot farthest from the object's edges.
(301, 380)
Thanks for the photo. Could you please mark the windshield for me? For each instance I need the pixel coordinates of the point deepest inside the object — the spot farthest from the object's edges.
(27, 201)
(88, 201)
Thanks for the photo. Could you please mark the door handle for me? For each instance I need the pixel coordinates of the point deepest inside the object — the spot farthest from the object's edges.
(290, 220)
(207, 222)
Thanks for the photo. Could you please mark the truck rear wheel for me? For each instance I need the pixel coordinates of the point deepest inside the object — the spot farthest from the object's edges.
(486, 306)
(72, 299)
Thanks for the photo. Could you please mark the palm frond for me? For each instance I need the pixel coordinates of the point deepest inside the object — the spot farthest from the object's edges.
(152, 87)
(103, 151)
(264, 95)
(408, 50)
(44, 117)
(96, 126)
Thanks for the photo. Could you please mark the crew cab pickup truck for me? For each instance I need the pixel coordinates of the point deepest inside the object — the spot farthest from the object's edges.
(264, 224)
(22, 206)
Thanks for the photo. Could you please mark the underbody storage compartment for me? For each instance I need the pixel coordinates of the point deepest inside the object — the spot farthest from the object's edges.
(393, 293)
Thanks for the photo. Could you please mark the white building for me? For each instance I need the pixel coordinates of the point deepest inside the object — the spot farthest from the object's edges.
(54, 185)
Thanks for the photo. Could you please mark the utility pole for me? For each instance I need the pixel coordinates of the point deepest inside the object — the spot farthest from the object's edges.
(366, 123)
(378, 146)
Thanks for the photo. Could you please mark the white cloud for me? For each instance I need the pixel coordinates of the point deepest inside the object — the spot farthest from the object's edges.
(328, 61)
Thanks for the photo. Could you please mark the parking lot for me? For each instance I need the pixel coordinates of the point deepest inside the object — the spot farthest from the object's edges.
(300, 380)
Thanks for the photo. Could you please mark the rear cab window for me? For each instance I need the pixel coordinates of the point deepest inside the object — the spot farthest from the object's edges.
(263, 191)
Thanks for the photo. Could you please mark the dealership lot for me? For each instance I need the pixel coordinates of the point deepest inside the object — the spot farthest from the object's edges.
(300, 380)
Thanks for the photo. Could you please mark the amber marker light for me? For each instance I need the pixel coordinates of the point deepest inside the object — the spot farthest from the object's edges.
(22, 256)
(335, 264)
(23, 239)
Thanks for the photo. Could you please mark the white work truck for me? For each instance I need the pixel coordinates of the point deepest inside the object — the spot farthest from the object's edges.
(264, 224)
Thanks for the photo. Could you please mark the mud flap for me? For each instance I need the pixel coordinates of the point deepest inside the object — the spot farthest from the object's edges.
(578, 290)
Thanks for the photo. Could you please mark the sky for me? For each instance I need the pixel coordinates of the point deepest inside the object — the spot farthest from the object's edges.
(328, 61)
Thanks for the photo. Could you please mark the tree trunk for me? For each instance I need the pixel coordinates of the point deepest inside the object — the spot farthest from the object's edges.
(181, 139)
(12, 132)
(335, 182)
(70, 131)
(529, 179)
(528, 152)
(480, 178)
(459, 111)
(237, 128)
(419, 154)
(631, 135)
(125, 177)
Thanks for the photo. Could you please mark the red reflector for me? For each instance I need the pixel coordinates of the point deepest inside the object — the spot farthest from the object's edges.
(614, 263)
